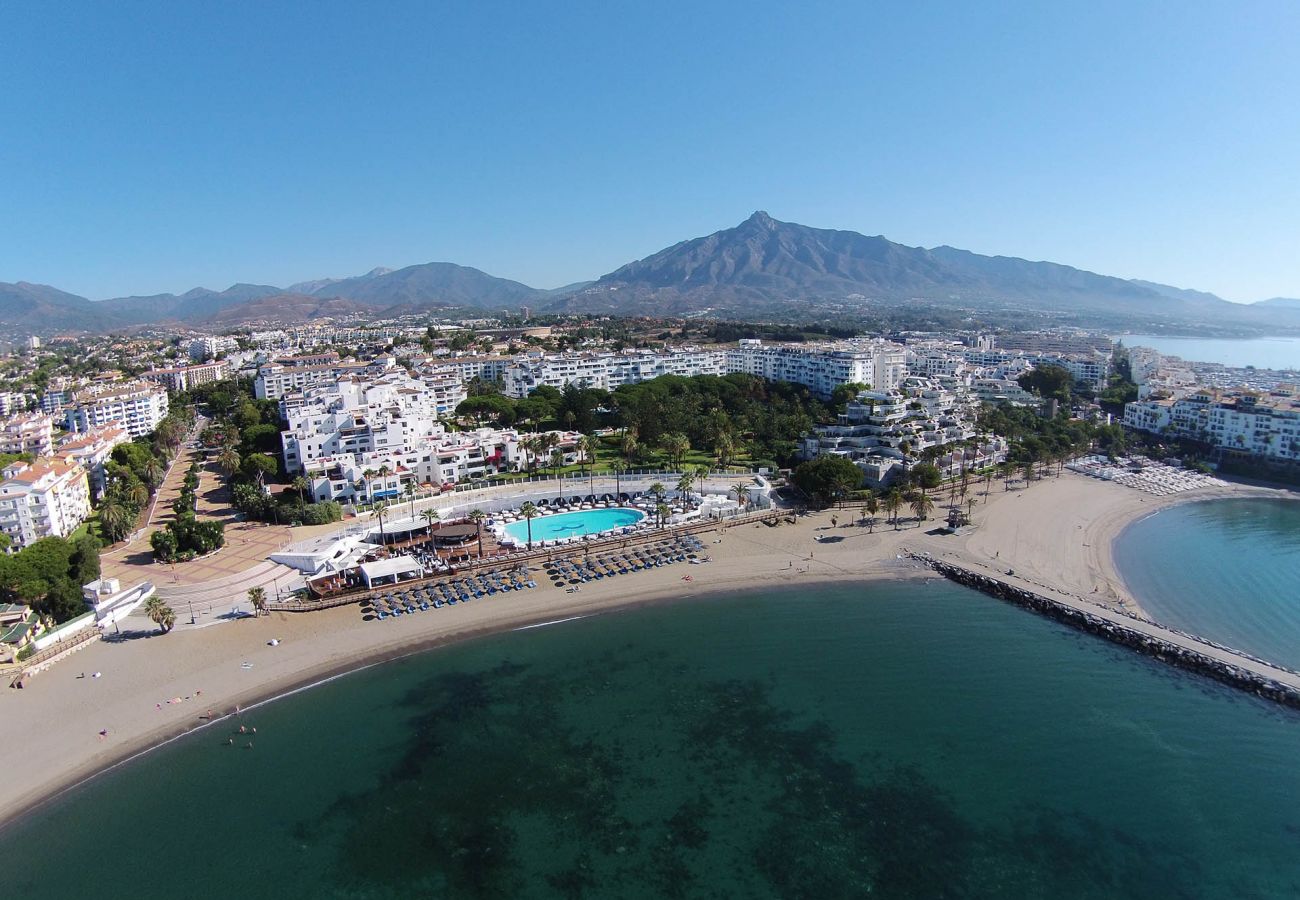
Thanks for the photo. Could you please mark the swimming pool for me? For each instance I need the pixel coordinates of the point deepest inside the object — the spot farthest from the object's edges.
(573, 524)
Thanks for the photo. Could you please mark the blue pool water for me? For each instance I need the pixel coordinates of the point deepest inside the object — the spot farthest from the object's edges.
(574, 524)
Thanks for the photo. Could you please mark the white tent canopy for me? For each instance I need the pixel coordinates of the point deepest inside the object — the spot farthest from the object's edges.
(390, 571)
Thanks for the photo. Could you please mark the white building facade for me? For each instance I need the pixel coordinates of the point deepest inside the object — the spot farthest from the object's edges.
(46, 498)
(137, 406)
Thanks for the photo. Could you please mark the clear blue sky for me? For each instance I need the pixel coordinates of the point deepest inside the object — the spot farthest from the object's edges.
(152, 147)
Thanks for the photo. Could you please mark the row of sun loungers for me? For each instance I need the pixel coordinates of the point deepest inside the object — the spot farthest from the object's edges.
(575, 571)
(1154, 478)
(449, 593)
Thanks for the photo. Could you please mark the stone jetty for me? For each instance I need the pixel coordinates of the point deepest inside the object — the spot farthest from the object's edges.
(1176, 648)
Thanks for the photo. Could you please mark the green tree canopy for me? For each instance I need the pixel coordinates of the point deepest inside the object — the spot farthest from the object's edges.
(828, 477)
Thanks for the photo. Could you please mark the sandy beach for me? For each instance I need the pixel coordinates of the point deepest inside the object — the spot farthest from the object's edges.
(153, 687)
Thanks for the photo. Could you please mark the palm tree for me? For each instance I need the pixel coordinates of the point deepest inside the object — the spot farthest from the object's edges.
(658, 490)
(893, 503)
(380, 510)
(1028, 470)
(871, 506)
(684, 485)
(430, 516)
(153, 473)
(677, 445)
(628, 444)
(163, 615)
(530, 446)
(619, 469)
(257, 597)
(369, 476)
(114, 518)
(922, 505)
(740, 490)
(725, 448)
(477, 516)
(138, 494)
(662, 512)
(300, 484)
(970, 509)
(228, 462)
(529, 512)
(583, 449)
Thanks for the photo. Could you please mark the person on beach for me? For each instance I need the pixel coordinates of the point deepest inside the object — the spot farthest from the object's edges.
(103, 733)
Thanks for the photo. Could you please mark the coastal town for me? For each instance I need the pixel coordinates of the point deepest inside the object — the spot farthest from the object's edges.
(170, 484)
(547, 452)
(328, 448)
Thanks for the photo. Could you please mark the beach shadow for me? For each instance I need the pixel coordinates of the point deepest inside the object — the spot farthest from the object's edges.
(133, 635)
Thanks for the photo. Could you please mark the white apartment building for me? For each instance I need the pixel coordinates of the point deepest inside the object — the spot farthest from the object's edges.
(1265, 425)
(357, 415)
(182, 378)
(437, 463)
(467, 368)
(58, 394)
(91, 451)
(46, 498)
(137, 406)
(30, 433)
(12, 402)
(822, 367)
(300, 373)
(1090, 368)
(210, 347)
(936, 362)
(1002, 390)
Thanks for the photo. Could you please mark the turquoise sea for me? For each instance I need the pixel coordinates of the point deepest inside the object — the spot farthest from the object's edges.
(1227, 570)
(895, 740)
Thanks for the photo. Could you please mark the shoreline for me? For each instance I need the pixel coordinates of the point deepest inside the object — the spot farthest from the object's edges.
(415, 644)
(60, 714)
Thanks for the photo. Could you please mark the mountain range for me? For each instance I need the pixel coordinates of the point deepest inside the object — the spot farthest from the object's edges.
(762, 268)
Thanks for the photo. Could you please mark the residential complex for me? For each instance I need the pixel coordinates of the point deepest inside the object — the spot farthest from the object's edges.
(819, 367)
(886, 431)
(182, 378)
(46, 498)
(91, 450)
(1262, 424)
(31, 433)
(383, 410)
(137, 406)
(211, 346)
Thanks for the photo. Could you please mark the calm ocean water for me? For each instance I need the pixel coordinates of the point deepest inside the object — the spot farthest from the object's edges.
(905, 740)
(1227, 570)
(1262, 353)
